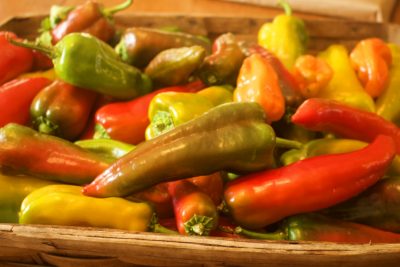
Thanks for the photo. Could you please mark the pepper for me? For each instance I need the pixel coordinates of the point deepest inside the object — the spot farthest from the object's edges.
(212, 185)
(286, 36)
(49, 74)
(170, 109)
(62, 110)
(139, 45)
(175, 65)
(378, 206)
(127, 121)
(43, 206)
(258, 82)
(331, 116)
(14, 188)
(14, 60)
(195, 212)
(263, 198)
(314, 227)
(108, 148)
(26, 151)
(222, 66)
(100, 69)
(387, 103)
(371, 59)
(344, 85)
(220, 139)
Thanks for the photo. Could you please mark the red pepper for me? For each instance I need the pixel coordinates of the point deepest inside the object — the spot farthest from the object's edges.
(14, 60)
(260, 199)
(127, 121)
(331, 116)
(16, 97)
(212, 185)
(41, 61)
(226, 228)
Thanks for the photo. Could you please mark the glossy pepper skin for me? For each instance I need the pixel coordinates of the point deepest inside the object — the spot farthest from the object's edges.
(344, 85)
(315, 227)
(371, 58)
(24, 150)
(262, 198)
(222, 66)
(16, 97)
(331, 116)
(100, 69)
(43, 206)
(212, 185)
(62, 110)
(49, 74)
(197, 147)
(14, 60)
(108, 148)
(387, 103)
(286, 37)
(14, 188)
(138, 45)
(127, 121)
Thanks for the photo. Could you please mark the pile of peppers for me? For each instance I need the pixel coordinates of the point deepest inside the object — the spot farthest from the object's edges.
(165, 131)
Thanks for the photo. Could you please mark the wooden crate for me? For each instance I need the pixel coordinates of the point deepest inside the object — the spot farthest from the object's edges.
(37, 245)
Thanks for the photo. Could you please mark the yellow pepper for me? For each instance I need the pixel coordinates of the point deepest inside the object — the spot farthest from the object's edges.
(49, 74)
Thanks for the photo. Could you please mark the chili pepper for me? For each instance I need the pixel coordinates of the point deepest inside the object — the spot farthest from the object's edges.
(106, 147)
(195, 212)
(175, 65)
(344, 85)
(91, 18)
(286, 36)
(314, 227)
(220, 139)
(14, 60)
(26, 151)
(222, 66)
(262, 198)
(43, 206)
(62, 109)
(371, 59)
(169, 223)
(212, 185)
(138, 46)
(225, 228)
(16, 97)
(49, 74)
(387, 103)
(331, 116)
(41, 61)
(170, 109)
(258, 82)
(127, 121)
(100, 69)
(13, 190)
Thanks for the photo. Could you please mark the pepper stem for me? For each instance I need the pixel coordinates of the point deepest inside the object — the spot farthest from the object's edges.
(279, 235)
(31, 45)
(155, 227)
(46, 126)
(199, 225)
(286, 143)
(112, 10)
(285, 5)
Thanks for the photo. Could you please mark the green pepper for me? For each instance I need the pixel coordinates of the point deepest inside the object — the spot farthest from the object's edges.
(43, 206)
(108, 148)
(170, 109)
(85, 61)
(13, 190)
(387, 105)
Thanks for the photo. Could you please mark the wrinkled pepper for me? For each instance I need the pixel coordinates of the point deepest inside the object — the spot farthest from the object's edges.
(315, 227)
(258, 82)
(43, 206)
(138, 46)
(387, 104)
(262, 198)
(62, 110)
(14, 188)
(222, 66)
(16, 97)
(331, 116)
(170, 109)
(127, 121)
(108, 148)
(286, 36)
(24, 150)
(100, 69)
(344, 85)
(371, 59)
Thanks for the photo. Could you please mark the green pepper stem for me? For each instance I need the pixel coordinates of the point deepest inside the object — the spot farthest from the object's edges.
(158, 228)
(199, 225)
(30, 45)
(285, 5)
(112, 10)
(279, 235)
(286, 143)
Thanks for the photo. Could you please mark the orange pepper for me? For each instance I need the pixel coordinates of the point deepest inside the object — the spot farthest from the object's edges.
(258, 82)
(371, 59)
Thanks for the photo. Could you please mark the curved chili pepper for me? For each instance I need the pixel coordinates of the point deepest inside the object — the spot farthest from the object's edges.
(262, 198)
(331, 116)
(16, 97)
(212, 185)
(108, 148)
